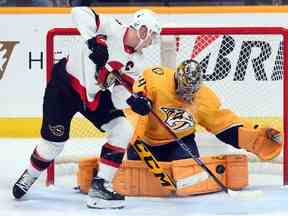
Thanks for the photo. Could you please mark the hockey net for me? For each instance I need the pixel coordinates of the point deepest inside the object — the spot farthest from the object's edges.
(246, 67)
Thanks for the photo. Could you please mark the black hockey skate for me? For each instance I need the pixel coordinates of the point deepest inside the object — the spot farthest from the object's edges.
(102, 196)
(23, 184)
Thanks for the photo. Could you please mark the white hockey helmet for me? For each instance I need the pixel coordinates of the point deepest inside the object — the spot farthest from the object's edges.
(188, 77)
(147, 18)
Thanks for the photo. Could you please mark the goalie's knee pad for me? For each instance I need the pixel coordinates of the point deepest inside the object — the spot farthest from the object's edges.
(49, 150)
(119, 132)
(263, 142)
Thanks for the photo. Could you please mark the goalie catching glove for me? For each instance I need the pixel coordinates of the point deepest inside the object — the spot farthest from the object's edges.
(266, 143)
(99, 49)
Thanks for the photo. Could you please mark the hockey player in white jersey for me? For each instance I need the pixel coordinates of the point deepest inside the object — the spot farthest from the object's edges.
(82, 82)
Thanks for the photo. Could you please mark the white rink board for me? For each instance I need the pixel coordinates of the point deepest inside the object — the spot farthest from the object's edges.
(21, 88)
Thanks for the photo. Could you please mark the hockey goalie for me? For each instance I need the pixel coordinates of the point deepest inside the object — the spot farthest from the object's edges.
(181, 100)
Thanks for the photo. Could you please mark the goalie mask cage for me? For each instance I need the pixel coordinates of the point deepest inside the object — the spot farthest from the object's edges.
(246, 67)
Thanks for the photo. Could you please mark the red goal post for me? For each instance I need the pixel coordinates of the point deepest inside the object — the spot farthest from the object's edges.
(228, 55)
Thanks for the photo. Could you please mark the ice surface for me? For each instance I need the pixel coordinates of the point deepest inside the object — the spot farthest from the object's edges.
(62, 199)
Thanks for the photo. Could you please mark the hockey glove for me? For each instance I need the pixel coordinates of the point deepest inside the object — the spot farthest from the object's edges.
(105, 77)
(99, 50)
(266, 143)
(140, 104)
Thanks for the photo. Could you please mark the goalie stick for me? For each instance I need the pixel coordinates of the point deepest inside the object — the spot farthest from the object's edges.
(153, 165)
(233, 193)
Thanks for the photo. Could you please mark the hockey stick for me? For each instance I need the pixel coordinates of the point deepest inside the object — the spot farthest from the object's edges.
(153, 165)
(187, 150)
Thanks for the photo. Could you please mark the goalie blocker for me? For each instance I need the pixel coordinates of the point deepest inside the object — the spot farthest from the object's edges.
(134, 178)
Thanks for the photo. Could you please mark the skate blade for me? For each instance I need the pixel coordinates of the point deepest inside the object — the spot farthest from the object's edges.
(96, 203)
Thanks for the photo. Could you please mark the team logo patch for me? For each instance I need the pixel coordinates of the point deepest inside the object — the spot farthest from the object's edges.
(178, 119)
(57, 130)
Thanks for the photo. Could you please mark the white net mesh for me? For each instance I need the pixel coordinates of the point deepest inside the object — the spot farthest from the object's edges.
(244, 70)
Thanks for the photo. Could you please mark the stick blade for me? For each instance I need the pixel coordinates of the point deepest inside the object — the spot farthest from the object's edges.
(253, 194)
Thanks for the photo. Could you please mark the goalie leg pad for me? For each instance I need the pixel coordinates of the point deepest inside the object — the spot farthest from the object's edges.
(88, 167)
(261, 142)
(132, 179)
(191, 179)
(236, 171)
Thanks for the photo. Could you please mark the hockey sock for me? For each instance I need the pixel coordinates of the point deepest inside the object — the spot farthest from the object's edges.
(37, 164)
(110, 160)
(43, 155)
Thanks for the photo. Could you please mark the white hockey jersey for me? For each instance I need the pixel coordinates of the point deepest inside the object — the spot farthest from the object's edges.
(82, 70)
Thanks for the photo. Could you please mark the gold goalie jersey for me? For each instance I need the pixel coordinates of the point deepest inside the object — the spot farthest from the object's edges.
(158, 84)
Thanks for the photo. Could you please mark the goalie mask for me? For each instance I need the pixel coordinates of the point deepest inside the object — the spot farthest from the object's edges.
(188, 79)
(146, 18)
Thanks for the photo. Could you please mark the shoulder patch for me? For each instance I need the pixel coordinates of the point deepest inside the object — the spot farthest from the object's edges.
(158, 70)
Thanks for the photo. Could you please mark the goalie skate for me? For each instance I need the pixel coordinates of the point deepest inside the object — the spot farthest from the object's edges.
(23, 184)
(102, 196)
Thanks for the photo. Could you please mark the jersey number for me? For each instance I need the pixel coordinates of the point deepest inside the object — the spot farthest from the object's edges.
(129, 65)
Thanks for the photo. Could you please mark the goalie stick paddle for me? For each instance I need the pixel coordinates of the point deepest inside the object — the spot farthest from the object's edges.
(232, 193)
(153, 165)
